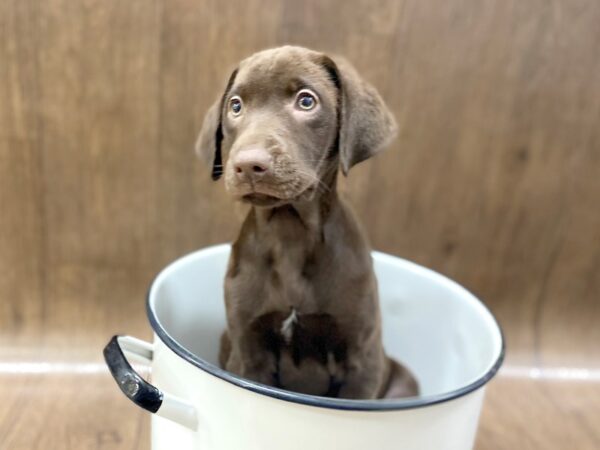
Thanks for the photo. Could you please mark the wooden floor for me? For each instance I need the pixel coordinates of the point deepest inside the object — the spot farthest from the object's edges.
(86, 411)
(494, 180)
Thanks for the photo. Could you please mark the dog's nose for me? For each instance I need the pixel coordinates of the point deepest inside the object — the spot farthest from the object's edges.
(253, 163)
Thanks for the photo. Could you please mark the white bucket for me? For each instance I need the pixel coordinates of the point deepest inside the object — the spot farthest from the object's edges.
(446, 336)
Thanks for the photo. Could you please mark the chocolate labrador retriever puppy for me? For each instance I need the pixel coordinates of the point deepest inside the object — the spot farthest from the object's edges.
(300, 292)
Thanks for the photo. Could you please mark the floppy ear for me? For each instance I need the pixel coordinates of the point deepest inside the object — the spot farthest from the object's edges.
(365, 124)
(208, 144)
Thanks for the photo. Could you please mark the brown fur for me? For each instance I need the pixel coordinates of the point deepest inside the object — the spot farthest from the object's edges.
(300, 292)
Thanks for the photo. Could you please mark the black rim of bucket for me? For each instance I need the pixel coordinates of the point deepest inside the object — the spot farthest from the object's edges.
(314, 400)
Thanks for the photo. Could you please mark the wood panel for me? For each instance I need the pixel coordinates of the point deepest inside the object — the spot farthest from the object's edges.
(494, 180)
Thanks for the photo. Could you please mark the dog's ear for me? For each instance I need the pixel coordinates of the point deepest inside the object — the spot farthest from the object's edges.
(365, 124)
(208, 144)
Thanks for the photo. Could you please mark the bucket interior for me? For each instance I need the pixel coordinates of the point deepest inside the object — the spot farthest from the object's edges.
(430, 324)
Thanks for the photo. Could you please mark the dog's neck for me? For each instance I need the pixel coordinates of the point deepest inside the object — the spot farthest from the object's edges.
(308, 214)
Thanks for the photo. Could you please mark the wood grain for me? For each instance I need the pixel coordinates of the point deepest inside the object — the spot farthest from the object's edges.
(494, 180)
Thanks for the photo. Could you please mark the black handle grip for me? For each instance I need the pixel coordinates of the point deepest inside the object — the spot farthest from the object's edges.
(130, 382)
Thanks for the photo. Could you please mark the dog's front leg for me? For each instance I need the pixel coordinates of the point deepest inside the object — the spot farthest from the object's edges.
(360, 385)
(364, 376)
(250, 359)
(262, 368)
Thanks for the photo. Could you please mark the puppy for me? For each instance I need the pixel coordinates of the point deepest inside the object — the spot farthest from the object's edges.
(300, 292)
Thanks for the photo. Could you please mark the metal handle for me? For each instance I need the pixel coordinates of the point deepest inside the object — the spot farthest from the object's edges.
(138, 390)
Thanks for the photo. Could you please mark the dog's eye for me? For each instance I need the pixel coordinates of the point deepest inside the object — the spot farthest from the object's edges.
(235, 105)
(306, 100)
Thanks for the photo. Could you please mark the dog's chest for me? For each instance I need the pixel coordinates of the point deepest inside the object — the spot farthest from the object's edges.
(309, 349)
(290, 279)
(304, 336)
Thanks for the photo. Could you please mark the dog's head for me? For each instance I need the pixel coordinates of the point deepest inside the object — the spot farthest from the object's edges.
(289, 117)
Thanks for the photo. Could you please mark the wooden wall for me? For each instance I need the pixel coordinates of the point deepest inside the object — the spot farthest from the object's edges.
(494, 179)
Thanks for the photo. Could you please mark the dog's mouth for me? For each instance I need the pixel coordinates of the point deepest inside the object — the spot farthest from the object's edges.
(262, 199)
(272, 194)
